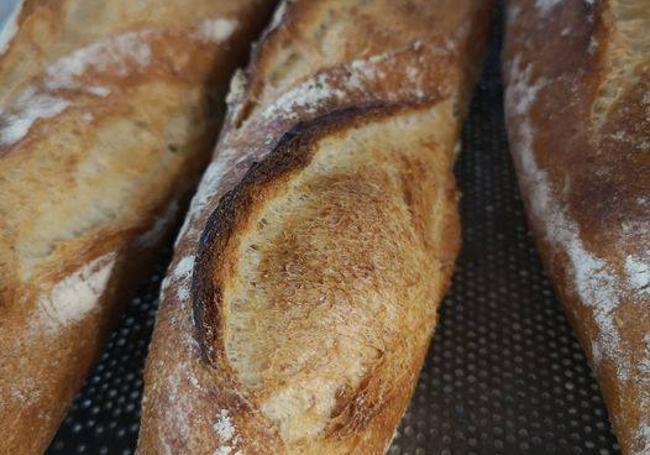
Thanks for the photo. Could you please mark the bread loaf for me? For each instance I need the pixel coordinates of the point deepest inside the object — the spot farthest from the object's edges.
(108, 112)
(578, 110)
(305, 284)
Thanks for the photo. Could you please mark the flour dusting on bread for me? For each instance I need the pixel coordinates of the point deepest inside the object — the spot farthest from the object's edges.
(9, 12)
(594, 281)
(119, 54)
(98, 90)
(217, 30)
(29, 107)
(209, 184)
(644, 366)
(181, 273)
(644, 436)
(638, 273)
(358, 75)
(309, 96)
(224, 428)
(73, 297)
(184, 268)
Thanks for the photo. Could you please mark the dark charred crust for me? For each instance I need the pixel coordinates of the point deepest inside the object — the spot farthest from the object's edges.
(292, 152)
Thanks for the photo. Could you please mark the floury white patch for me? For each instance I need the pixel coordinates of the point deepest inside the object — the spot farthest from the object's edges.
(638, 273)
(9, 12)
(119, 54)
(77, 294)
(223, 427)
(29, 107)
(593, 280)
(217, 30)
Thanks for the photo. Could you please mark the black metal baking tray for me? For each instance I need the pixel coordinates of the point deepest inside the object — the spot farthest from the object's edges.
(504, 374)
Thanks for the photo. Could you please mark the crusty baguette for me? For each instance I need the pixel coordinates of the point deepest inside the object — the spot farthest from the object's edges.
(578, 109)
(108, 113)
(305, 285)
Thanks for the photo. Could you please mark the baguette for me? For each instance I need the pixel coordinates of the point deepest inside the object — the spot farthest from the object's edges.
(108, 113)
(304, 289)
(578, 111)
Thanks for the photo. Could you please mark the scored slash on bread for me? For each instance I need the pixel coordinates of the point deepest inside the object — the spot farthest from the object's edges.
(578, 112)
(303, 293)
(294, 330)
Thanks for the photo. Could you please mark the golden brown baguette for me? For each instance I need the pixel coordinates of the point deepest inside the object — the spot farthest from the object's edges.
(578, 109)
(108, 113)
(305, 285)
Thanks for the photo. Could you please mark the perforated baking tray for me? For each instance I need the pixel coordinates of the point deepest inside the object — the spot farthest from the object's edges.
(504, 375)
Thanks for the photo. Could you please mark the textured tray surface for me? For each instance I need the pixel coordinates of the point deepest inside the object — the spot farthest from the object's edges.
(504, 375)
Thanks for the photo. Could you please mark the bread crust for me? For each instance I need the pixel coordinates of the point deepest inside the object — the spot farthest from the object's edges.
(108, 113)
(331, 185)
(577, 103)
